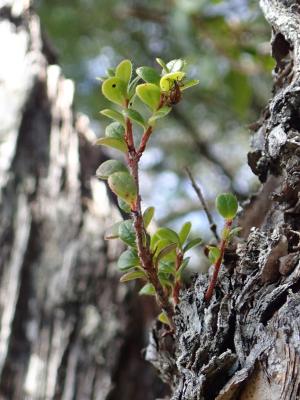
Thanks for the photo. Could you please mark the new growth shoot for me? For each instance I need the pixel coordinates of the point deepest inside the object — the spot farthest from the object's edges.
(158, 259)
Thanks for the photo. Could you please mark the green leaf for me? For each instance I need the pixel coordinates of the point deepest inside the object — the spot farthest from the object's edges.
(184, 232)
(234, 232)
(167, 81)
(227, 205)
(135, 116)
(164, 252)
(115, 130)
(164, 319)
(166, 267)
(124, 206)
(148, 290)
(124, 71)
(113, 114)
(157, 244)
(161, 113)
(168, 234)
(189, 84)
(109, 167)
(191, 244)
(118, 144)
(110, 72)
(163, 65)
(165, 279)
(213, 254)
(123, 185)
(132, 86)
(148, 215)
(128, 259)
(176, 65)
(149, 94)
(149, 75)
(132, 275)
(113, 231)
(127, 233)
(114, 89)
(182, 267)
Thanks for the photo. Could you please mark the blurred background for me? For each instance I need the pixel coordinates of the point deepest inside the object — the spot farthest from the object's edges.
(226, 46)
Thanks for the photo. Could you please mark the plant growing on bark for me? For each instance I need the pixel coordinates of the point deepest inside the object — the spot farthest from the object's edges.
(158, 259)
(226, 205)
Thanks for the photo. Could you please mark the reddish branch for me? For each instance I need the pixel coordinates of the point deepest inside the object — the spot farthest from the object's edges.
(144, 140)
(218, 263)
(144, 251)
(179, 258)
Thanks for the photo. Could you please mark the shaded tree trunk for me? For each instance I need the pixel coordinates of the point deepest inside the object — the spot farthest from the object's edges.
(245, 343)
(67, 329)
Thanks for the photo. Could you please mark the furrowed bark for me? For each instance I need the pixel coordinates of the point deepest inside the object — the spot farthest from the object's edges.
(245, 343)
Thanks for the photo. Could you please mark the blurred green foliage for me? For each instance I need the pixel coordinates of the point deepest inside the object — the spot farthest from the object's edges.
(226, 46)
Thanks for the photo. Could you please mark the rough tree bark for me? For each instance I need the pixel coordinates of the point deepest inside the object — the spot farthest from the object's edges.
(245, 344)
(67, 329)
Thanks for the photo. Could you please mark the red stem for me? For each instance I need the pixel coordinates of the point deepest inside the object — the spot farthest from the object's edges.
(144, 140)
(218, 263)
(177, 284)
(144, 251)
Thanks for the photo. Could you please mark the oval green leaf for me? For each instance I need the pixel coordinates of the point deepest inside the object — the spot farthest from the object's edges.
(132, 275)
(127, 233)
(113, 114)
(149, 94)
(164, 319)
(189, 84)
(163, 65)
(149, 75)
(128, 259)
(110, 72)
(161, 113)
(114, 89)
(213, 254)
(227, 205)
(184, 232)
(113, 231)
(118, 144)
(166, 267)
(123, 185)
(132, 86)
(234, 232)
(191, 244)
(148, 290)
(135, 116)
(124, 206)
(168, 234)
(124, 71)
(148, 215)
(109, 167)
(115, 130)
(169, 248)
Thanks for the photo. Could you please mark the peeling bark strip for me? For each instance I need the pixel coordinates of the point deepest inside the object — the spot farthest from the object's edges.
(246, 343)
(66, 331)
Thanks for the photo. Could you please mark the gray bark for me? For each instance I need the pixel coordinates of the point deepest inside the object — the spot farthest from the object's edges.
(244, 344)
(68, 330)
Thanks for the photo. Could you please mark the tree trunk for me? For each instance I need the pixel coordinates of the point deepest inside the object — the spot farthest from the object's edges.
(245, 343)
(67, 329)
